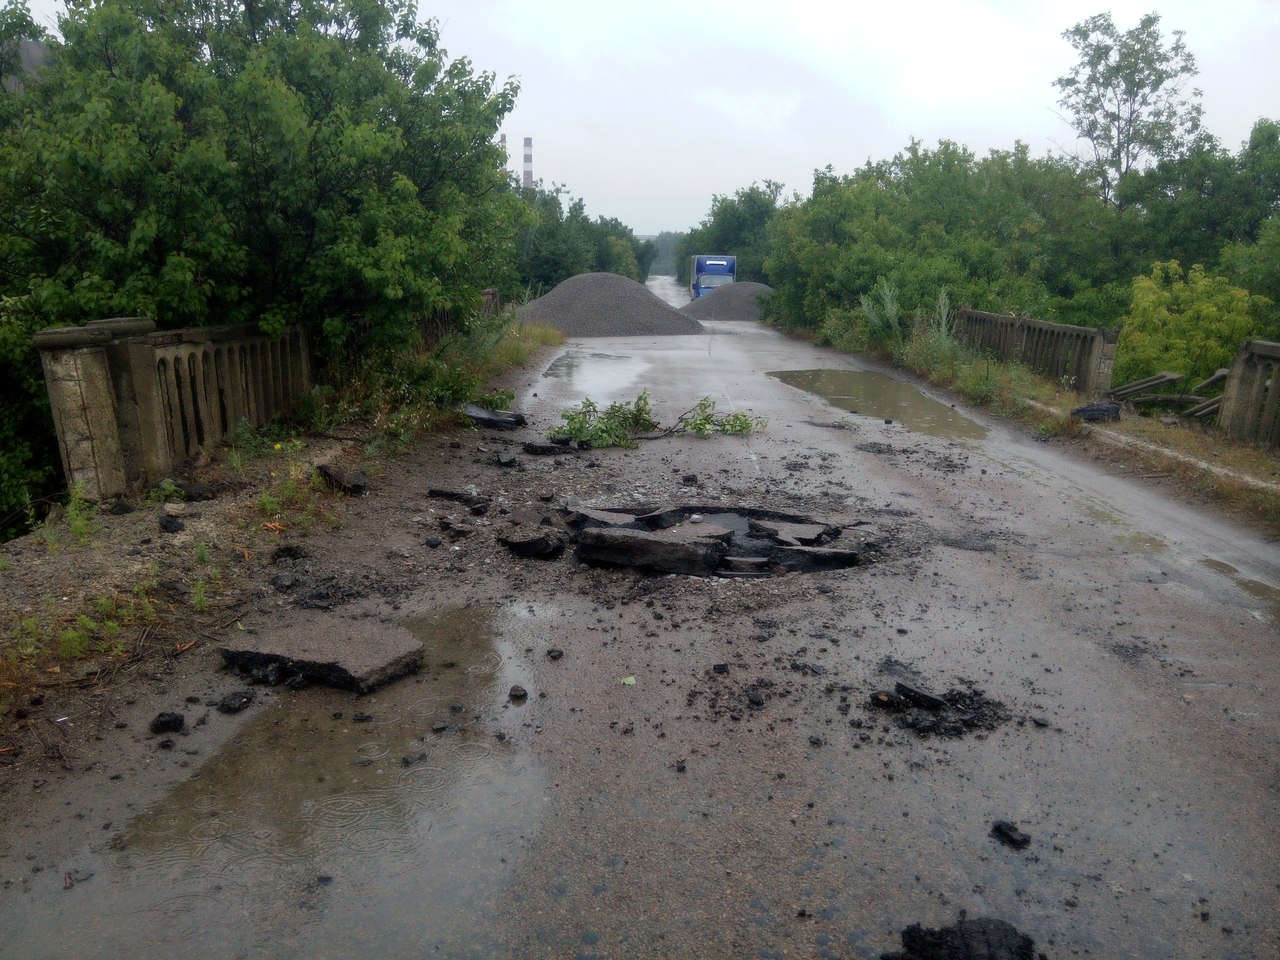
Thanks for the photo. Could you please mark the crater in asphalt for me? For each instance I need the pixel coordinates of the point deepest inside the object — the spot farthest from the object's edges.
(874, 394)
(710, 541)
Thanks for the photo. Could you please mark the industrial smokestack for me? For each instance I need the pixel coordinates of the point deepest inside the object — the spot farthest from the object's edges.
(528, 163)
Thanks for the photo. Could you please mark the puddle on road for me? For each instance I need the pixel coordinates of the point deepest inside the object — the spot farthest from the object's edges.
(1138, 542)
(1264, 592)
(877, 395)
(316, 835)
(596, 374)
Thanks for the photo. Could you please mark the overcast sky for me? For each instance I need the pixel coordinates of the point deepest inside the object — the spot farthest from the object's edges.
(647, 109)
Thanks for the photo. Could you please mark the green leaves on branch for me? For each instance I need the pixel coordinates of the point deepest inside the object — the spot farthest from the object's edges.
(623, 424)
(1125, 97)
(1188, 323)
(617, 425)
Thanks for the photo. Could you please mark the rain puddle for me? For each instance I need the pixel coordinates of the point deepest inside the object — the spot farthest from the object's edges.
(596, 374)
(876, 395)
(334, 826)
(1136, 541)
(1269, 595)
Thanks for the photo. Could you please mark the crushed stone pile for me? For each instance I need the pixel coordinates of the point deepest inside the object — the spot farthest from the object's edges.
(607, 305)
(735, 301)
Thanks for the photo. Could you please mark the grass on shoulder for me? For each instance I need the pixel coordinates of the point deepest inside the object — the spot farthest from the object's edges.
(1205, 461)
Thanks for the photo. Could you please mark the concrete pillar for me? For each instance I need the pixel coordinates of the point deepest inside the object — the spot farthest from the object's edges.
(1101, 364)
(77, 374)
(132, 364)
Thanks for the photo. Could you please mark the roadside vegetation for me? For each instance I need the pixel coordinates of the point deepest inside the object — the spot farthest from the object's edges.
(1152, 226)
(324, 163)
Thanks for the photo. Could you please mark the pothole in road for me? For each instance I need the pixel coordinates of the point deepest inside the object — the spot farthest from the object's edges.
(701, 540)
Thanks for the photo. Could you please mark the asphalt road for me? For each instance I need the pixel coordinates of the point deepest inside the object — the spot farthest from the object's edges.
(739, 797)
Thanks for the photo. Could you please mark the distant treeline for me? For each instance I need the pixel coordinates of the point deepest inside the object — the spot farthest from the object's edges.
(1156, 228)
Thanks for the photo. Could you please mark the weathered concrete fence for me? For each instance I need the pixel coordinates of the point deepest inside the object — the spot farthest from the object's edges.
(130, 404)
(1085, 355)
(1250, 408)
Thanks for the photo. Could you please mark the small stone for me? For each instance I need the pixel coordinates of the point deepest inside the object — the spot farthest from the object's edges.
(168, 722)
(172, 524)
(555, 653)
(518, 692)
(720, 668)
(235, 702)
(1008, 834)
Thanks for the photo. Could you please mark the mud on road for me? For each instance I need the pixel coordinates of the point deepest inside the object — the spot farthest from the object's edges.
(710, 766)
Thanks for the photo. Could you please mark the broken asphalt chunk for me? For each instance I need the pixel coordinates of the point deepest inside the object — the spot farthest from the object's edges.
(654, 551)
(493, 419)
(1008, 834)
(331, 651)
(168, 722)
(886, 700)
(538, 544)
(236, 701)
(918, 698)
(344, 481)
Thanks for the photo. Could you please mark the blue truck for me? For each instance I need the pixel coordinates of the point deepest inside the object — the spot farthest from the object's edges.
(708, 271)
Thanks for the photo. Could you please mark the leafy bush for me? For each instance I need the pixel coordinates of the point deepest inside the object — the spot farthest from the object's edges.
(1189, 323)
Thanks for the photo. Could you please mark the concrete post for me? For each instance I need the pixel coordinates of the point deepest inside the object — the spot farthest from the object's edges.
(132, 370)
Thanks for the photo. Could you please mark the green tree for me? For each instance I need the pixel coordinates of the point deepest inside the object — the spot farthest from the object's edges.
(1256, 267)
(314, 161)
(559, 241)
(1190, 323)
(16, 26)
(736, 225)
(1126, 97)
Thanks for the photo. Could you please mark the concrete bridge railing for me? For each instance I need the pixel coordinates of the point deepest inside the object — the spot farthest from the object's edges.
(1250, 408)
(130, 404)
(1084, 355)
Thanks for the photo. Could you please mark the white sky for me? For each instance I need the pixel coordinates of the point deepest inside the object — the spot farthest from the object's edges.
(647, 109)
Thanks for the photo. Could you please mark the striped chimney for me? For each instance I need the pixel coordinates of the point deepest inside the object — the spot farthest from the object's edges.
(528, 163)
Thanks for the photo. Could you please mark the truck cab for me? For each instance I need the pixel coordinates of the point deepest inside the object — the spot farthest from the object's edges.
(708, 271)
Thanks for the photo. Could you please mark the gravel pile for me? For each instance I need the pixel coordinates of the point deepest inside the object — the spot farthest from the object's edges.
(607, 305)
(735, 301)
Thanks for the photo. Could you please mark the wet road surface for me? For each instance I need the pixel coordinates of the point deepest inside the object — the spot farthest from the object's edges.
(1134, 642)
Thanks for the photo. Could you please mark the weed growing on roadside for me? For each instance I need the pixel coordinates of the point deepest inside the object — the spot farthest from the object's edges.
(199, 596)
(82, 516)
(166, 491)
(202, 553)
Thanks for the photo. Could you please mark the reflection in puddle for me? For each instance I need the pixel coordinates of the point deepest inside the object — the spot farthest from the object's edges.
(1140, 542)
(878, 395)
(597, 375)
(318, 834)
(1269, 595)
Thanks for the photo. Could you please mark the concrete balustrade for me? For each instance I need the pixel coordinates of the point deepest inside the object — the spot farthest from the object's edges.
(1083, 355)
(130, 404)
(1250, 409)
